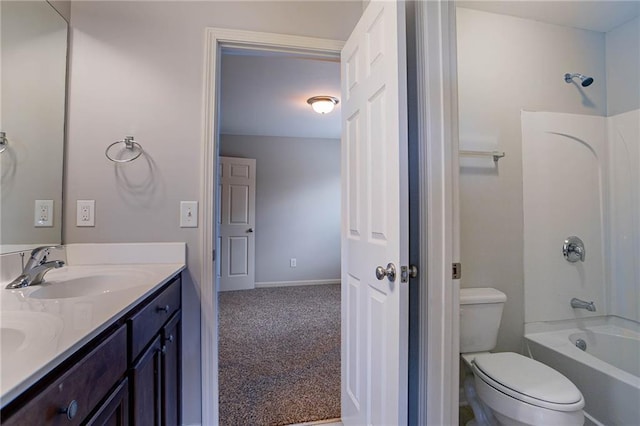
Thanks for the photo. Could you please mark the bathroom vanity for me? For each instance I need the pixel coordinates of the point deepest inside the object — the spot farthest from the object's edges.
(94, 344)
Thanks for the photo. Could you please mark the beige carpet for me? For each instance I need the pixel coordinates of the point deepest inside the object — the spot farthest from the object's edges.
(279, 355)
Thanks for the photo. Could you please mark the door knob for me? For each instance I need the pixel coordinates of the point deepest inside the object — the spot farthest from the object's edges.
(390, 272)
(250, 230)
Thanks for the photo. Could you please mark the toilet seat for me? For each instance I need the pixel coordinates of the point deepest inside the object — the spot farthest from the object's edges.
(528, 380)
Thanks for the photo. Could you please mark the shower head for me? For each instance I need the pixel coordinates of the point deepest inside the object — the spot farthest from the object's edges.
(585, 81)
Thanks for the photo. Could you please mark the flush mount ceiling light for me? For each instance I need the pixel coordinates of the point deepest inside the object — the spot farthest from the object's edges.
(323, 104)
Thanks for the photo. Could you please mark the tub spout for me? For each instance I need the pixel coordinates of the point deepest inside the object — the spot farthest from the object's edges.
(581, 304)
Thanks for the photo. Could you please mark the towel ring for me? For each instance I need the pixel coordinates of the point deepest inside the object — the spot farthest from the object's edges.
(4, 142)
(129, 144)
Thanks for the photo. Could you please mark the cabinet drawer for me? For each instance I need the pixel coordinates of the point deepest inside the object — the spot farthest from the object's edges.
(81, 387)
(147, 322)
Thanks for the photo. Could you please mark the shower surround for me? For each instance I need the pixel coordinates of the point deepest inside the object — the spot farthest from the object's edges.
(581, 177)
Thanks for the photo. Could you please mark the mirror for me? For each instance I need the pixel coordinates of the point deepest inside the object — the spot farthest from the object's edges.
(33, 67)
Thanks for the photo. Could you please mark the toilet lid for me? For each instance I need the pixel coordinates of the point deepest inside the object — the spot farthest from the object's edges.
(528, 380)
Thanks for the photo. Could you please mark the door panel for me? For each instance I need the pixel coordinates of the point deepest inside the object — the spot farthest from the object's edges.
(238, 249)
(375, 218)
(237, 223)
(171, 371)
(238, 204)
(147, 382)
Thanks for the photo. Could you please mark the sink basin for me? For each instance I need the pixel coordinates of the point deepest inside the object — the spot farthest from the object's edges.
(11, 339)
(90, 285)
(27, 331)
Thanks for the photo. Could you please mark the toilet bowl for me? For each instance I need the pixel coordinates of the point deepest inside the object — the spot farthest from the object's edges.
(512, 389)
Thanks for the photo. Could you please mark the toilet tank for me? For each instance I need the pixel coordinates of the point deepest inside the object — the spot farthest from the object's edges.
(480, 314)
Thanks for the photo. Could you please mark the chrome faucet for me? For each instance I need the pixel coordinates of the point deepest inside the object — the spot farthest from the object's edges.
(37, 265)
(581, 304)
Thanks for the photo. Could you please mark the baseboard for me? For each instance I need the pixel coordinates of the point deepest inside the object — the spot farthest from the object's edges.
(269, 284)
(328, 422)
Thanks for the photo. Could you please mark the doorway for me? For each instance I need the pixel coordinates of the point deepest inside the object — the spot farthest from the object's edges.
(279, 268)
(435, 392)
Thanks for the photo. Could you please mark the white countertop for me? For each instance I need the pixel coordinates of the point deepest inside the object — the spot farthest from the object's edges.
(42, 325)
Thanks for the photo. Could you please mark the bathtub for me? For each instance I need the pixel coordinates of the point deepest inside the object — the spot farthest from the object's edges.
(607, 372)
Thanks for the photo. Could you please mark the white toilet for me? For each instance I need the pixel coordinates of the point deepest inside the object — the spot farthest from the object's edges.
(512, 389)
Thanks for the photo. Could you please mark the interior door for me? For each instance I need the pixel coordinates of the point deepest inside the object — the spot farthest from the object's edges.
(374, 219)
(237, 219)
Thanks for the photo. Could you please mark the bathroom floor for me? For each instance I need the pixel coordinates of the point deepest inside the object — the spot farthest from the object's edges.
(466, 415)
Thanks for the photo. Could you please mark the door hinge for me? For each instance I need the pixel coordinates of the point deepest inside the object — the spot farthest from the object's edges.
(407, 272)
(214, 256)
(456, 271)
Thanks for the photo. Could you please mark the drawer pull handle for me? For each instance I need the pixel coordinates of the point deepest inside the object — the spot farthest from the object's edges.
(71, 410)
(169, 339)
(164, 309)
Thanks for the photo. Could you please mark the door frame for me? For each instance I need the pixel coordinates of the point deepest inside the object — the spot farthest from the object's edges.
(437, 122)
(439, 229)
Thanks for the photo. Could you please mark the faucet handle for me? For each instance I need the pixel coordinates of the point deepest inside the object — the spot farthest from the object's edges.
(43, 249)
(573, 249)
(37, 250)
(39, 255)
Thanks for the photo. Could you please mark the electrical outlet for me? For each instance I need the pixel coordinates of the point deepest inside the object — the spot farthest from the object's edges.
(85, 213)
(43, 215)
(188, 214)
(293, 262)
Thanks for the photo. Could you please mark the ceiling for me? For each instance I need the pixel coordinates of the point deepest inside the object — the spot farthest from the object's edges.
(599, 16)
(266, 94)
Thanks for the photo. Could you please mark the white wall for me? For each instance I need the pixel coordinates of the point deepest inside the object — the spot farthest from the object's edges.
(581, 177)
(297, 205)
(623, 68)
(564, 178)
(507, 64)
(137, 69)
(623, 103)
(624, 215)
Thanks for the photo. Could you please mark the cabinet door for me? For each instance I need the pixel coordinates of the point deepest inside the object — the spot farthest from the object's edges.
(146, 378)
(76, 392)
(171, 367)
(115, 410)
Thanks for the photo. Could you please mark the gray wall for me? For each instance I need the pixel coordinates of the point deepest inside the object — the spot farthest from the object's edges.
(297, 205)
(63, 7)
(623, 68)
(136, 68)
(507, 64)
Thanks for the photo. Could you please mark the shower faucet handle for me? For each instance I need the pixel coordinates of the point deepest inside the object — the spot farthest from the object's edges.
(573, 249)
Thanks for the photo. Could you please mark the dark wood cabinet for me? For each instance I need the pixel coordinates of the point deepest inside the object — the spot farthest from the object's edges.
(155, 351)
(171, 371)
(145, 324)
(146, 381)
(70, 396)
(129, 374)
(115, 409)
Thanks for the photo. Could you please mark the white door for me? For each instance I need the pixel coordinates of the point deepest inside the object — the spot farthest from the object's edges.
(236, 221)
(374, 219)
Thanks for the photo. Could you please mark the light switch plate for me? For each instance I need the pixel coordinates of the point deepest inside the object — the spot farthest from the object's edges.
(86, 212)
(188, 214)
(43, 214)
